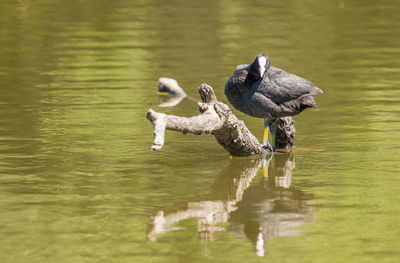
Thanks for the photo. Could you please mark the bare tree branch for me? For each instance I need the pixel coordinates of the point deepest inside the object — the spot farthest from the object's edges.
(215, 118)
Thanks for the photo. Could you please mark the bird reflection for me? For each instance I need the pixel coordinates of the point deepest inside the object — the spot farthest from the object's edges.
(257, 211)
(272, 208)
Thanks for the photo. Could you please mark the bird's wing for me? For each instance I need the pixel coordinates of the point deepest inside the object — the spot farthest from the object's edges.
(234, 84)
(281, 86)
(259, 105)
(242, 66)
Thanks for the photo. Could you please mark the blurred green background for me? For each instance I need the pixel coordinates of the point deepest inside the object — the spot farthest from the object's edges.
(78, 182)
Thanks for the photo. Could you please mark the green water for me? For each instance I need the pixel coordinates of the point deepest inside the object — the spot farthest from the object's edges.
(78, 182)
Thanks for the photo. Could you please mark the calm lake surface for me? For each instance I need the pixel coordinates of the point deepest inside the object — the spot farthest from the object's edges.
(78, 182)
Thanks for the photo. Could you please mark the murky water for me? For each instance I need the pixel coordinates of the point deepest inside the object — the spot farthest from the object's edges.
(78, 182)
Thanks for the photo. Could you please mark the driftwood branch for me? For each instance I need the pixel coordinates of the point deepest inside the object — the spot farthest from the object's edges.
(216, 118)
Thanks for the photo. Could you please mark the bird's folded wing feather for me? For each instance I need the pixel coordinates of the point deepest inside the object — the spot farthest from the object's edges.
(240, 67)
(281, 86)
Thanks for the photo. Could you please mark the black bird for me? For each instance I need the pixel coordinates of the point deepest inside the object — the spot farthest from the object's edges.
(264, 91)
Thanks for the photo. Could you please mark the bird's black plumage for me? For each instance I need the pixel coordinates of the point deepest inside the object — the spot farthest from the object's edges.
(264, 91)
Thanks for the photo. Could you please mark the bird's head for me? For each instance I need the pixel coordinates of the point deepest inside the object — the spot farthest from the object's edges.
(260, 65)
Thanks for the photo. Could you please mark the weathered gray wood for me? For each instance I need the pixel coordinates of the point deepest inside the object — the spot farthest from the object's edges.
(285, 133)
(216, 118)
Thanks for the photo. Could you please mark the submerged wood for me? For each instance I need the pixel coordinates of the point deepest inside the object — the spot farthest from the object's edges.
(285, 133)
(216, 118)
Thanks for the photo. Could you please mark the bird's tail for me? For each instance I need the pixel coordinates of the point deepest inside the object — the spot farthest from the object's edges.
(296, 106)
(308, 100)
(315, 90)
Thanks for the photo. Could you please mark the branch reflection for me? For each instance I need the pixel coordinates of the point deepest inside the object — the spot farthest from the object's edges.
(166, 100)
(260, 211)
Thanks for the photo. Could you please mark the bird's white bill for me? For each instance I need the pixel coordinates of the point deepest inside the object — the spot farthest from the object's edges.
(262, 61)
(262, 70)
